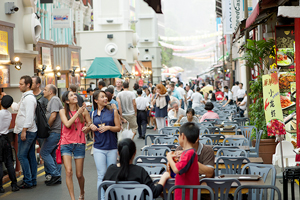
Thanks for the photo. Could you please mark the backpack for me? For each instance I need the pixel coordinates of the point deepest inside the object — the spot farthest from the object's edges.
(43, 127)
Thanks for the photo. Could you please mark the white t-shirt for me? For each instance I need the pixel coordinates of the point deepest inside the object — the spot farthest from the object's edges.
(244, 106)
(197, 98)
(141, 103)
(189, 94)
(228, 94)
(180, 112)
(240, 93)
(181, 91)
(126, 98)
(234, 90)
(5, 118)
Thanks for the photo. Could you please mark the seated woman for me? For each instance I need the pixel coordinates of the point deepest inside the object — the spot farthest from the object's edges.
(210, 114)
(130, 172)
(190, 117)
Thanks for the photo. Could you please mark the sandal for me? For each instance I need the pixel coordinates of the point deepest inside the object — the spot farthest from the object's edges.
(81, 197)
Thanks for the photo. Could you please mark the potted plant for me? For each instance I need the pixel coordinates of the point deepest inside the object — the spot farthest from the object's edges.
(260, 53)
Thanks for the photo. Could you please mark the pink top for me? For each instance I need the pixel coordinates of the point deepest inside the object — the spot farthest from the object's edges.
(209, 115)
(70, 135)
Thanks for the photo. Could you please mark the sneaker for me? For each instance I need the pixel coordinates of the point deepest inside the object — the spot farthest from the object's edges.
(15, 188)
(24, 186)
(48, 177)
(2, 190)
(53, 180)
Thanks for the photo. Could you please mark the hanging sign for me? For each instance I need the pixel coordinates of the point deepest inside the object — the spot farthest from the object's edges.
(46, 56)
(61, 83)
(75, 59)
(272, 105)
(227, 16)
(237, 8)
(61, 18)
(3, 43)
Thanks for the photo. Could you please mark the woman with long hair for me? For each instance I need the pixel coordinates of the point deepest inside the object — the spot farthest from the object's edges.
(160, 102)
(127, 171)
(76, 121)
(106, 124)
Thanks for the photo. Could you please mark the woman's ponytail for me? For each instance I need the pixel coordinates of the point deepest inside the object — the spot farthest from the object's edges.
(126, 149)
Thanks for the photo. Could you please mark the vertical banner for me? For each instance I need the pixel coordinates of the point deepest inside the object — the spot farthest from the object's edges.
(272, 105)
(3, 43)
(227, 16)
(237, 8)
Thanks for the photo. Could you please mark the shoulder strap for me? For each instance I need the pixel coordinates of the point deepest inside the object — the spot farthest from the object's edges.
(93, 116)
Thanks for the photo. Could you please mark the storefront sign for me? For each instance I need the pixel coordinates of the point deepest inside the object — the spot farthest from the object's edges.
(46, 56)
(61, 84)
(227, 16)
(74, 58)
(293, 87)
(3, 43)
(237, 8)
(61, 18)
(272, 105)
(285, 42)
(4, 76)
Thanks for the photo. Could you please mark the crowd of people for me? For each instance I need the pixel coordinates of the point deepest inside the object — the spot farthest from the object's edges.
(110, 110)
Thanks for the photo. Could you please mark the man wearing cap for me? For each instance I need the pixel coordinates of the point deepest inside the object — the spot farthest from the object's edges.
(5, 147)
(210, 114)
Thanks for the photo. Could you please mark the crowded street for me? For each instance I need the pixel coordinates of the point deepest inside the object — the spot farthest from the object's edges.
(150, 99)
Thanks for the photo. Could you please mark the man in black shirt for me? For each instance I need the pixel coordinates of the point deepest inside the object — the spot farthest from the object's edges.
(73, 88)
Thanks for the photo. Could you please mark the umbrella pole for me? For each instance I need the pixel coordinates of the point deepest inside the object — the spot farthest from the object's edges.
(281, 152)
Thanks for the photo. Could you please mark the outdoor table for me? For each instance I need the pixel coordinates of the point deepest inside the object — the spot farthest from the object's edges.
(246, 148)
(232, 136)
(227, 131)
(257, 160)
(171, 146)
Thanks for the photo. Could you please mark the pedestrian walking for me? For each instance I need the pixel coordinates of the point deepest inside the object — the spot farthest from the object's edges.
(197, 99)
(76, 121)
(25, 127)
(234, 90)
(127, 107)
(142, 105)
(189, 93)
(118, 87)
(106, 124)
(160, 102)
(50, 144)
(6, 155)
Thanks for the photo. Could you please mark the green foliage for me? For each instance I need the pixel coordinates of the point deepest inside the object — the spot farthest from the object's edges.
(166, 56)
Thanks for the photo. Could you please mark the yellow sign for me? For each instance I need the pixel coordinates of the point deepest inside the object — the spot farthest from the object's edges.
(293, 87)
(272, 105)
(3, 43)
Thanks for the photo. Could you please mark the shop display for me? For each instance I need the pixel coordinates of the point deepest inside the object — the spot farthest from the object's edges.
(285, 102)
(275, 127)
(285, 80)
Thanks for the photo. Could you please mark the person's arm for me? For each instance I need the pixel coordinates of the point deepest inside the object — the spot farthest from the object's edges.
(229, 100)
(170, 156)
(29, 113)
(116, 128)
(207, 165)
(208, 171)
(69, 122)
(134, 106)
(52, 118)
(120, 105)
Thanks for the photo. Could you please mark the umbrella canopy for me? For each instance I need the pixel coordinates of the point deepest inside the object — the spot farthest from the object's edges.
(206, 89)
(104, 67)
(177, 68)
(170, 71)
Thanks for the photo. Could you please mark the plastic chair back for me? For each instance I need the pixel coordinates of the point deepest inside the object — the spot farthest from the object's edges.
(190, 189)
(214, 130)
(262, 170)
(254, 192)
(220, 186)
(215, 138)
(150, 159)
(153, 168)
(233, 165)
(288, 154)
(172, 122)
(205, 140)
(212, 121)
(155, 151)
(231, 152)
(247, 131)
(205, 124)
(235, 142)
(128, 192)
(216, 148)
(242, 120)
(169, 130)
(256, 148)
(166, 140)
(203, 130)
(152, 137)
(106, 184)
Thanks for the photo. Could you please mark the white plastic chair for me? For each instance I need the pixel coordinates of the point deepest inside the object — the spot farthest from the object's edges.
(288, 154)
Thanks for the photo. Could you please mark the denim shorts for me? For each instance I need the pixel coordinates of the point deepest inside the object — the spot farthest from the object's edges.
(77, 149)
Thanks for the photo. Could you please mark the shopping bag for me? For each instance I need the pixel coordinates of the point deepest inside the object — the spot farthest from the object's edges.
(127, 133)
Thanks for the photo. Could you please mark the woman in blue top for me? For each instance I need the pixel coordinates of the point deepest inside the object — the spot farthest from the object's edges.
(105, 125)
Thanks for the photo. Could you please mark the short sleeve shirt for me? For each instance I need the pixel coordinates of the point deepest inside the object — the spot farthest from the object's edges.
(126, 98)
(177, 94)
(244, 106)
(197, 98)
(54, 105)
(188, 172)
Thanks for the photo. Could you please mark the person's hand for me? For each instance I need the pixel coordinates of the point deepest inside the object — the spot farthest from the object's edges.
(23, 135)
(93, 127)
(124, 120)
(81, 109)
(223, 105)
(181, 116)
(178, 154)
(85, 129)
(102, 129)
(3, 94)
(170, 155)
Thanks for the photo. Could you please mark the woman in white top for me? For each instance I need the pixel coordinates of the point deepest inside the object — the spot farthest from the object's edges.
(190, 117)
(197, 99)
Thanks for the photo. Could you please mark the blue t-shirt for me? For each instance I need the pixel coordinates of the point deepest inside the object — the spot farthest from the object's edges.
(177, 94)
(107, 140)
(114, 102)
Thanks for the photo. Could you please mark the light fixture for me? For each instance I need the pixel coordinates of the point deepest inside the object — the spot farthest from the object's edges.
(58, 74)
(17, 63)
(42, 70)
(73, 71)
(57, 67)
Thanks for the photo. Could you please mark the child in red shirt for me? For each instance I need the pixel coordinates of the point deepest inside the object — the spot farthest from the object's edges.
(187, 166)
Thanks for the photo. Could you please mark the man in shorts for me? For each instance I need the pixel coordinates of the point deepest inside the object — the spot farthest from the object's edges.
(127, 107)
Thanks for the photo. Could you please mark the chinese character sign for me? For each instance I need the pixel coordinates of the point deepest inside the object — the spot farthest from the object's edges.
(3, 43)
(272, 105)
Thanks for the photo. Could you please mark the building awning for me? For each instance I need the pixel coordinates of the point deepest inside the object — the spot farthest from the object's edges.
(104, 67)
(127, 67)
(289, 11)
(253, 16)
(139, 68)
(155, 4)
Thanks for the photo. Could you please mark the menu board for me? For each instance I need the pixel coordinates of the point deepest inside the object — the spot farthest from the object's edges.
(272, 105)
(4, 76)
